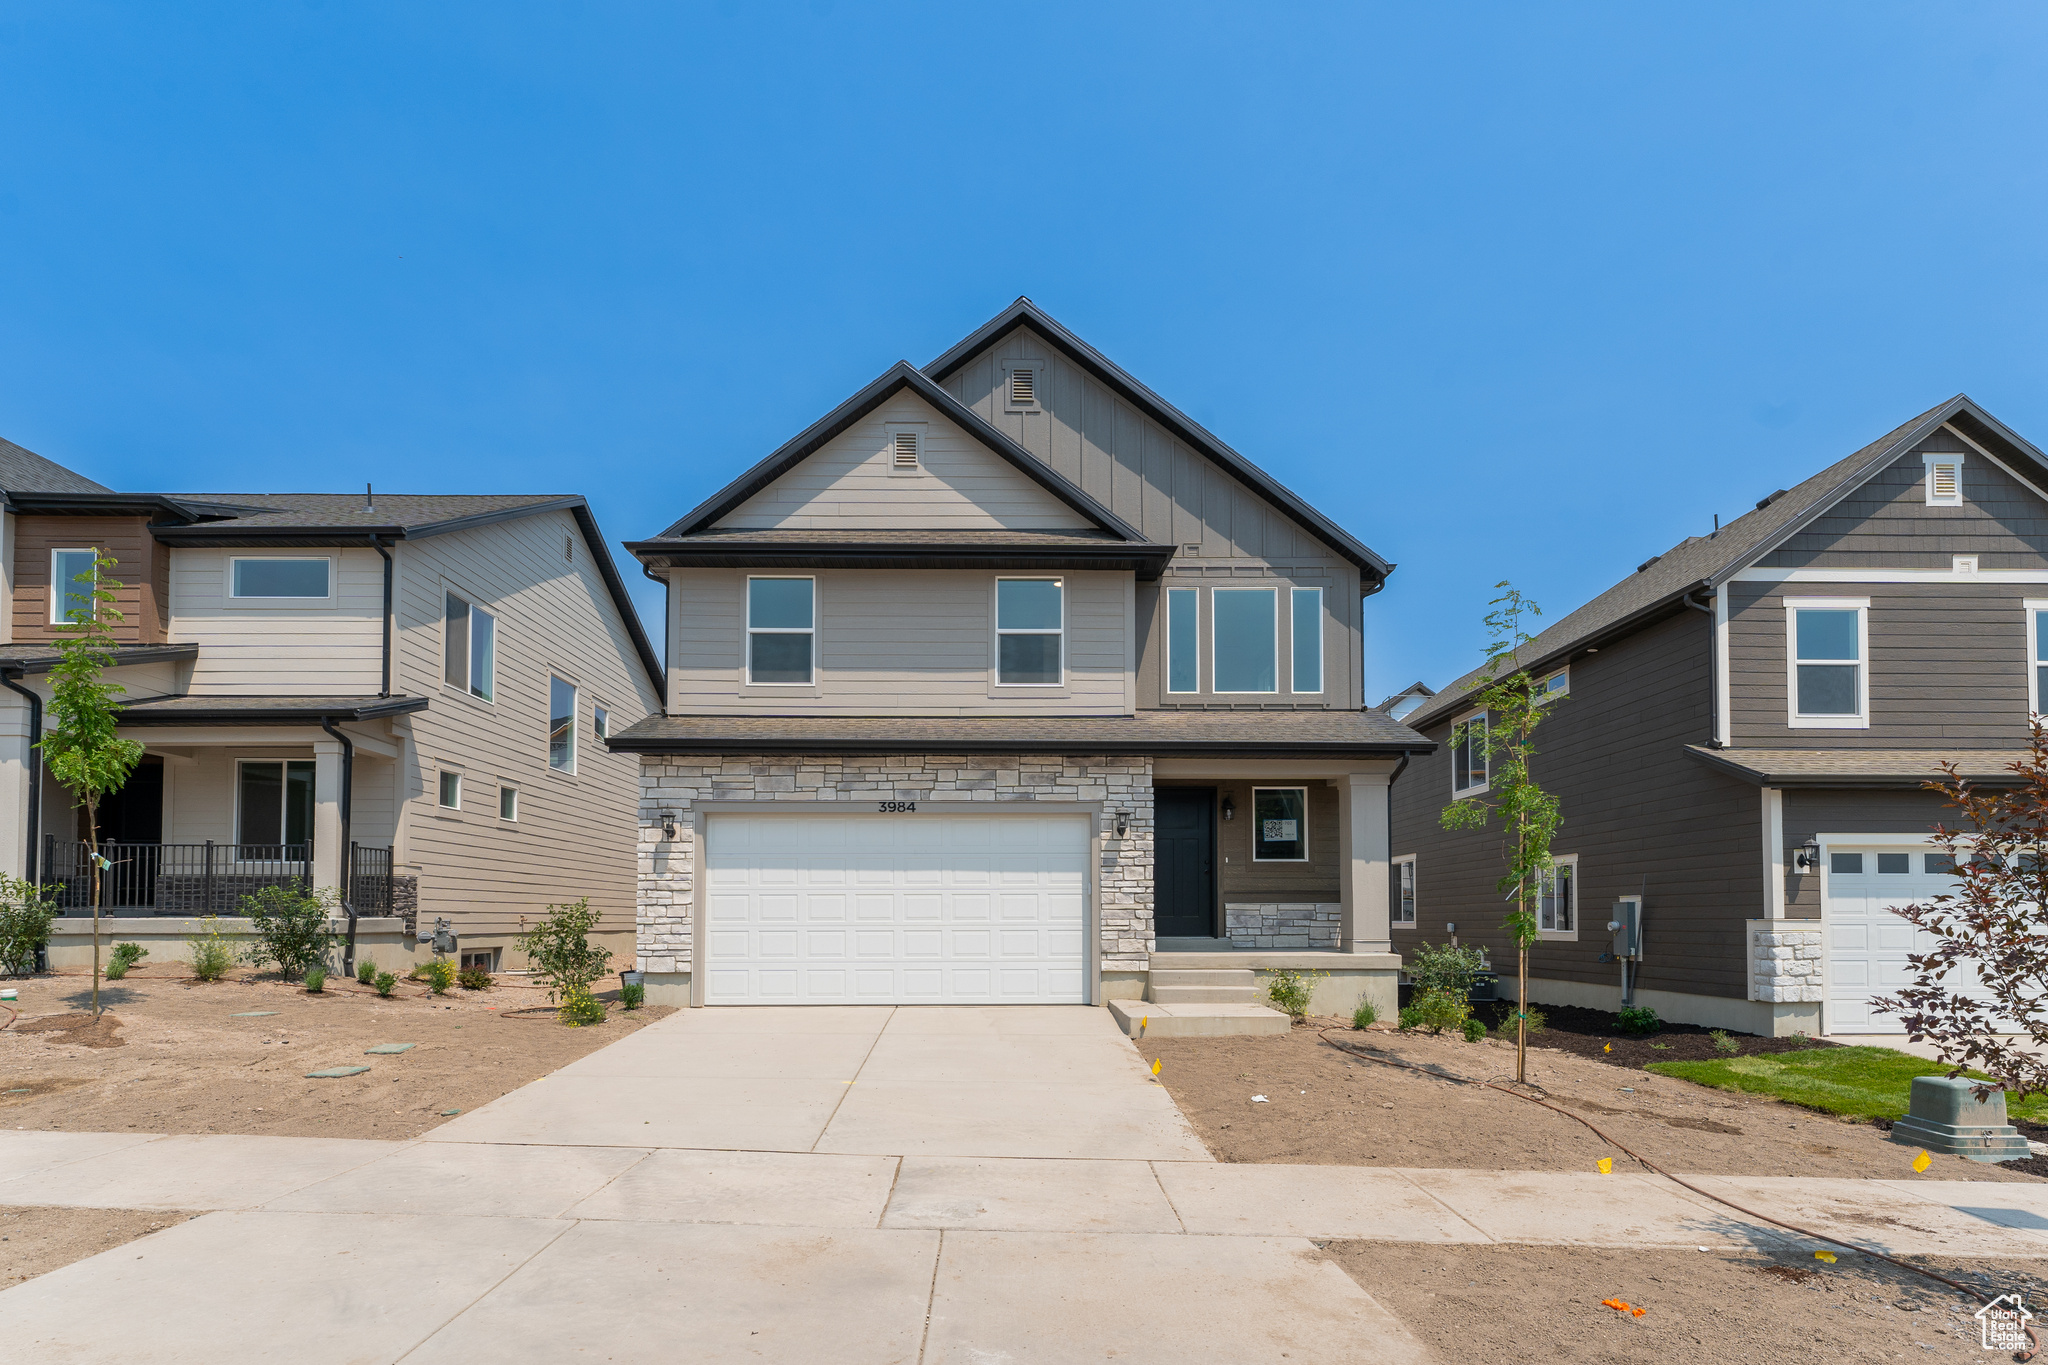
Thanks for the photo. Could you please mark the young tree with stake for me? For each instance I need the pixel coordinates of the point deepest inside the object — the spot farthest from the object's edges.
(1510, 709)
(80, 746)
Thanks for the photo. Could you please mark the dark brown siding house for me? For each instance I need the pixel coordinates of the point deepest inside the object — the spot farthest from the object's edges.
(1741, 734)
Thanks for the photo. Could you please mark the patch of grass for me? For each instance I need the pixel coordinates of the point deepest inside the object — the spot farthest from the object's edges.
(1858, 1082)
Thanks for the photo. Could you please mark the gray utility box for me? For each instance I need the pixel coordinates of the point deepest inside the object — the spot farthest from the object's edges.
(1945, 1116)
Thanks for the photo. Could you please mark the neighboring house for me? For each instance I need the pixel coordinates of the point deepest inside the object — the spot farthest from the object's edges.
(1407, 701)
(1007, 682)
(405, 697)
(1742, 730)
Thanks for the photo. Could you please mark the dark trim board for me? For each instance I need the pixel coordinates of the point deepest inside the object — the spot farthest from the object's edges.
(1149, 561)
(264, 710)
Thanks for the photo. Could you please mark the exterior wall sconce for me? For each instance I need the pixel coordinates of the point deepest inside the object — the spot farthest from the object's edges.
(1123, 823)
(1807, 857)
(668, 826)
(1229, 809)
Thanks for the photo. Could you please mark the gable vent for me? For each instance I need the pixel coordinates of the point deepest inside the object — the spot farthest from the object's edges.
(904, 450)
(1945, 483)
(1023, 389)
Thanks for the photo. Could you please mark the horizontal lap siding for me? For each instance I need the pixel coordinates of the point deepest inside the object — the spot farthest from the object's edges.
(1642, 814)
(1169, 490)
(1948, 664)
(576, 835)
(896, 642)
(1887, 524)
(1809, 814)
(302, 650)
(137, 576)
(849, 483)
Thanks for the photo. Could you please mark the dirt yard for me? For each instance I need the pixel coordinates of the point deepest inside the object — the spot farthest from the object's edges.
(1543, 1303)
(176, 1055)
(1325, 1107)
(36, 1241)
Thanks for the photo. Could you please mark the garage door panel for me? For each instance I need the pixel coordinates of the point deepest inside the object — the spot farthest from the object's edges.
(1868, 943)
(853, 908)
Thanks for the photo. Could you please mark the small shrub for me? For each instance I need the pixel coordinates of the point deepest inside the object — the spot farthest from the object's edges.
(1474, 1030)
(580, 1007)
(1290, 991)
(473, 979)
(1722, 1042)
(26, 912)
(212, 954)
(1435, 1011)
(1366, 1015)
(366, 972)
(418, 972)
(440, 975)
(125, 955)
(562, 955)
(386, 983)
(316, 980)
(1638, 1020)
(1445, 970)
(291, 928)
(632, 995)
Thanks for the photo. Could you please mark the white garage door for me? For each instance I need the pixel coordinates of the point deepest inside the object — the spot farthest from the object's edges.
(1867, 944)
(888, 909)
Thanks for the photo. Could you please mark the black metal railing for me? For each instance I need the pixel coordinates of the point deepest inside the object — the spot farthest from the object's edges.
(200, 879)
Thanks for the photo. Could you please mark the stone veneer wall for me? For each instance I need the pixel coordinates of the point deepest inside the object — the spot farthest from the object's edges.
(1785, 961)
(1317, 926)
(673, 786)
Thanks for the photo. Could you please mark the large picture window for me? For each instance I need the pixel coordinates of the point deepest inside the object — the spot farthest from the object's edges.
(1827, 639)
(1280, 824)
(1468, 756)
(1246, 626)
(1557, 899)
(274, 805)
(297, 578)
(561, 725)
(470, 648)
(71, 599)
(781, 631)
(1183, 640)
(1307, 640)
(1030, 615)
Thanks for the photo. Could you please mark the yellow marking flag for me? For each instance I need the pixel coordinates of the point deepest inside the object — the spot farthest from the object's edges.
(1155, 1066)
(1607, 1165)
(1608, 1048)
(1922, 1161)
(1827, 1256)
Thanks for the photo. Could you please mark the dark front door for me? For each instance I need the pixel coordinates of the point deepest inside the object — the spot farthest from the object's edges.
(1184, 866)
(130, 828)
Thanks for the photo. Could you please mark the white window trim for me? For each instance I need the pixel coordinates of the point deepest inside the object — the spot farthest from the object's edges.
(749, 631)
(2034, 607)
(57, 593)
(1274, 593)
(1293, 645)
(1485, 759)
(1931, 458)
(440, 781)
(1407, 860)
(333, 576)
(468, 688)
(575, 718)
(996, 643)
(1571, 935)
(601, 719)
(513, 818)
(1795, 605)
(1544, 696)
(1037, 368)
(1196, 690)
(891, 430)
(1255, 825)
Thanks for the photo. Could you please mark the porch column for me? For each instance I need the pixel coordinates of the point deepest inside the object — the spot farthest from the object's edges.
(327, 849)
(1362, 825)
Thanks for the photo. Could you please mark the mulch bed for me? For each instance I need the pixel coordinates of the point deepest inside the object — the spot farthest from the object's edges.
(1597, 1034)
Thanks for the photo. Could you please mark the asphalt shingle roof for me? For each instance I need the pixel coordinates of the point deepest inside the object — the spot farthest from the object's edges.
(24, 471)
(409, 511)
(1859, 767)
(213, 710)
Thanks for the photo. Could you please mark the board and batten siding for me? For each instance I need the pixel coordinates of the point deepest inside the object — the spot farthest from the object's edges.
(1342, 626)
(850, 482)
(1643, 816)
(140, 575)
(576, 834)
(1171, 492)
(898, 642)
(332, 648)
(1948, 665)
(1887, 524)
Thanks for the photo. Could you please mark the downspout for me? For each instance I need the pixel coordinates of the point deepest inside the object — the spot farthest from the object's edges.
(381, 548)
(12, 678)
(348, 903)
(1713, 686)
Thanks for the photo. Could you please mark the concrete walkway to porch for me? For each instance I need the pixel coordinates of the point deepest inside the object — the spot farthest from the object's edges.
(1010, 1190)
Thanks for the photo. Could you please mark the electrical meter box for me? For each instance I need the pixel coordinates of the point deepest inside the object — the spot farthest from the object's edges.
(1626, 924)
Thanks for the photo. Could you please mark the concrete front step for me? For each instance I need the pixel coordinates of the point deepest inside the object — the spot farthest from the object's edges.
(1164, 1019)
(1203, 986)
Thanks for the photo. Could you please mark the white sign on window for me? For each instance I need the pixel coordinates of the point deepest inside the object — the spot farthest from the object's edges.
(1278, 831)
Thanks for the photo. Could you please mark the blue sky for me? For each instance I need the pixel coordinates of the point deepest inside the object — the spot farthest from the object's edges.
(1512, 291)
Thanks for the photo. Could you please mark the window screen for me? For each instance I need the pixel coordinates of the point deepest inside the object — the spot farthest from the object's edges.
(1029, 615)
(561, 725)
(70, 599)
(1829, 662)
(780, 616)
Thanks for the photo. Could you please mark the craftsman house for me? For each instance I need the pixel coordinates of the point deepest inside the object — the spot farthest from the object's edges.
(402, 697)
(1007, 682)
(1741, 733)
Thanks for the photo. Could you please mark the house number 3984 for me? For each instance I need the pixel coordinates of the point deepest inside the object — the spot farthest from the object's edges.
(895, 807)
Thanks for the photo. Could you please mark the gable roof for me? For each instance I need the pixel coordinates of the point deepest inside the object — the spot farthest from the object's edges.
(892, 381)
(1702, 563)
(1025, 313)
(1421, 691)
(24, 471)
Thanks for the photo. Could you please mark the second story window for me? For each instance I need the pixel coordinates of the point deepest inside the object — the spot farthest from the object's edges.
(72, 576)
(1246, 631)
(1468, 756)
(1307, 624)
(1558, 684)
(1183, 640)
(781, 631)
(2037, 676)
(470, 648)
(1030, 624)
(561, 725)
(1829, 682)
